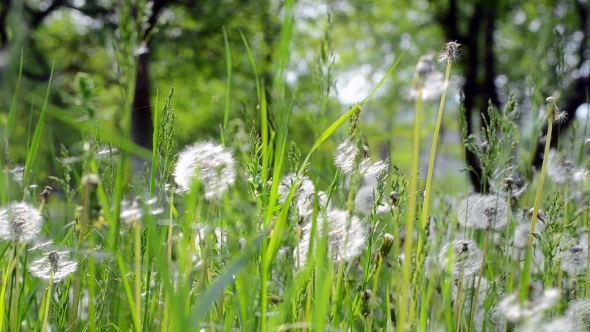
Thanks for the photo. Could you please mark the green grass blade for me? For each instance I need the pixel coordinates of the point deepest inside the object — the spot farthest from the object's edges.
(228, 87)
(32, 150)
(155, 141)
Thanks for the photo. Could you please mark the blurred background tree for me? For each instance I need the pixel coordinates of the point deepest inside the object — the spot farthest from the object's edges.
(340, 50)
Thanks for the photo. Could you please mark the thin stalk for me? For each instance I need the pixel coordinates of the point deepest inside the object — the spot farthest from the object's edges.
(459, 302)
(14, 293)
(483, 264)
(526, 272)
(47, 301)
(409, 239)
(138, 276)
(508, 251)
(430, 174)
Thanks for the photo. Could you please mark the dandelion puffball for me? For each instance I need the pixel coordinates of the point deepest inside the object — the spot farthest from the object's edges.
(208, 162)
(20, 221)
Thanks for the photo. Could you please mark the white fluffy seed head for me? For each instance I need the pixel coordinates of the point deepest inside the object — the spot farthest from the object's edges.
(578, 314)
(56, 262)
(515, 310)
(461, 256)
(575, 259)
(208, 162)
(304, 195)
(364, 201)
(345, 156)
(483, 212)
(561, 170)
(345, 234)
(20, 221)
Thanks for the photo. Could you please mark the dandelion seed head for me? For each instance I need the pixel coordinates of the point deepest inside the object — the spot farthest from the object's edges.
(20, 221)
(304, 189)
(575, 260)
(54, 262)
(515, 310)
(450, 53)
(345, 233)
(521, 234)
(508, 181)
(483, 212)
(536, 324)
(208, 162)
(465, 255)
(364, 201)
(578, 314)
(564, 171)
(369, 168)
(345, 156)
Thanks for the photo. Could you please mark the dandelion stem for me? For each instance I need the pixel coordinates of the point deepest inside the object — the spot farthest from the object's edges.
(483, 264)
(47, 301)
(526, 272)
(430, 174)
(412, 202)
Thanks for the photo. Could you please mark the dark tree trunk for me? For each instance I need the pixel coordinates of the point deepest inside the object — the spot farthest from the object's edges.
(479, 71)
(142, 125)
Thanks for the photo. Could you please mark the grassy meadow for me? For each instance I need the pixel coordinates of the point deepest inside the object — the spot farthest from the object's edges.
(245, 232)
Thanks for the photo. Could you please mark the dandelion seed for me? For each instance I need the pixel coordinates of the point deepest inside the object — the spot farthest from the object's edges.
(450, 54)
(465, 255)
(56, 262)
(208, 162)
(560, 117)
(345, 233)
(345, 156)
(578, 314)
(575, 260)
(483, 212)
(20, 222)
